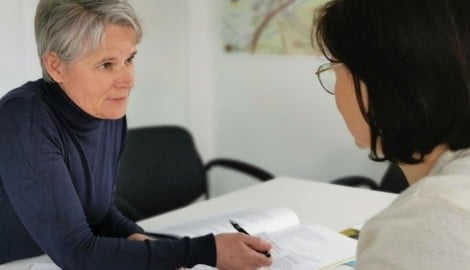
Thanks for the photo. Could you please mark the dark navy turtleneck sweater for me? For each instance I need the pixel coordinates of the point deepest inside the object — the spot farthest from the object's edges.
(58, 168)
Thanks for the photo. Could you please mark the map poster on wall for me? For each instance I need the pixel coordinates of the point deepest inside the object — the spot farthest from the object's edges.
(269, 26)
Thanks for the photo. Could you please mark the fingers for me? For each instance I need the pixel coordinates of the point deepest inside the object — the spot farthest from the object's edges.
(258, 244)
(138, 237)
(241, 252)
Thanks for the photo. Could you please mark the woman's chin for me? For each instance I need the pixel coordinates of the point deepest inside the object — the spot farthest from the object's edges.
(113, 115)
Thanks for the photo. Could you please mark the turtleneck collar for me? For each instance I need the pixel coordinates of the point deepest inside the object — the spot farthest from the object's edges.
(78, 119)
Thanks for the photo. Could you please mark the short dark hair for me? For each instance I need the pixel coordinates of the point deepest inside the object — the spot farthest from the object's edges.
(414, 58)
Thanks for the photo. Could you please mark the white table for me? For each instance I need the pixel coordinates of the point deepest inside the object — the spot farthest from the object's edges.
(334, 206)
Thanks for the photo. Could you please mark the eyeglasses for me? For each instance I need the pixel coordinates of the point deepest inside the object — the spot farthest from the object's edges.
(327, 76)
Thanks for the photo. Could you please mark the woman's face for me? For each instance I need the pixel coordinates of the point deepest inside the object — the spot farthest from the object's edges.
(100, 82)
(347, 104)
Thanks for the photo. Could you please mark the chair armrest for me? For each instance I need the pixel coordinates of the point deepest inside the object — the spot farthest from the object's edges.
(240, 166)
(356, 181)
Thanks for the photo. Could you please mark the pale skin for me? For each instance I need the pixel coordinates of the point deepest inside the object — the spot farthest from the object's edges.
(237, 251)
(346, 102)
(100, 83)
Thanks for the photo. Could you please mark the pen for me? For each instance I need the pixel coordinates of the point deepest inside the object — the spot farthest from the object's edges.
(240, 229)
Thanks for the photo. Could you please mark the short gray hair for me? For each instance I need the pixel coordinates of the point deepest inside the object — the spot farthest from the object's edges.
(72, 28)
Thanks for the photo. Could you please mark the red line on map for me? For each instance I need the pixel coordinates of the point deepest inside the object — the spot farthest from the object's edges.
(266, 20)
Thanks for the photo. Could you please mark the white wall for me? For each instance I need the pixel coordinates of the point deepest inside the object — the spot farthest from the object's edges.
(160, 94)
(18, 51)
(268, 110)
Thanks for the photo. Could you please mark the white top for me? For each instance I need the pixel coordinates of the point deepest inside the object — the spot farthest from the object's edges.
(427, 226)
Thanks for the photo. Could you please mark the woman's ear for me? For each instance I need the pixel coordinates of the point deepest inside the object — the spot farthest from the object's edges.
(54, 66)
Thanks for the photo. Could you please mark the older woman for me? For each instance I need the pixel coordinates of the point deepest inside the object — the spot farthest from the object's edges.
(400, 73)
(60, 143)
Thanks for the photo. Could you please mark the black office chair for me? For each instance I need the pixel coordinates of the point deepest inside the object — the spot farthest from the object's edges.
(393, 181)
(160, 170)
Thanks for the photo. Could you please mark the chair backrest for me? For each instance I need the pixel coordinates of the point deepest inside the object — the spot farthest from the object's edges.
(160, 170)
(393, 180)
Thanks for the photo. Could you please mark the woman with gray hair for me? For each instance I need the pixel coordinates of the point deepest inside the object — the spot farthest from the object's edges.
(60, 144)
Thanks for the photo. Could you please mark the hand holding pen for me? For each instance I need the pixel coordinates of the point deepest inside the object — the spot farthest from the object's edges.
(240, 229)
(240, 251)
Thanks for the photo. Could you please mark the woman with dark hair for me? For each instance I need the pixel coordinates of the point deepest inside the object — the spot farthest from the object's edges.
(60, 144)
(400, 73)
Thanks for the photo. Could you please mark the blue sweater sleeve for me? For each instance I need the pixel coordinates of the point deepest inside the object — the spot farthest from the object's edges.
(115, 224)
(41, 191)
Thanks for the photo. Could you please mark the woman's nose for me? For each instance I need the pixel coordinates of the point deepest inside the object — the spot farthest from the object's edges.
(126, 77)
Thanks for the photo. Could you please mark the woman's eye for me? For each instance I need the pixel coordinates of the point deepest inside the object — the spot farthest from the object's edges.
(106, 65)
(130, 60)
